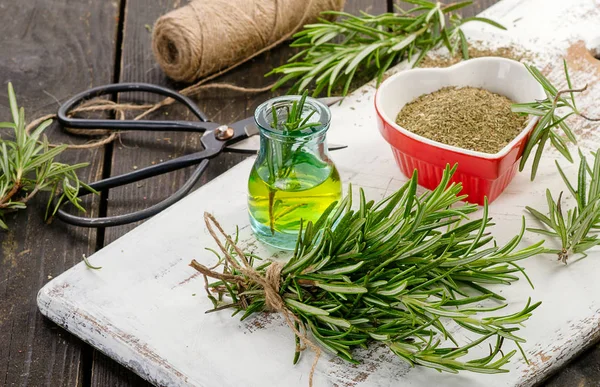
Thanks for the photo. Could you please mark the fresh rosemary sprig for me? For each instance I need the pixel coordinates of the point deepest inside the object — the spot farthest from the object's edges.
(550, 121)
(281, 155)
(333, 52)
(294, 122)
(577, 231)
(27, 167)
(396, 272)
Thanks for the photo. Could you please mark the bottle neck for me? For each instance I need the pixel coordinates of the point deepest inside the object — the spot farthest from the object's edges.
(307, 142)
(293, 150)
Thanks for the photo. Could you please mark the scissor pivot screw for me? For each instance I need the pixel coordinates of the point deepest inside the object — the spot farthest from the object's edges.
(223, 133)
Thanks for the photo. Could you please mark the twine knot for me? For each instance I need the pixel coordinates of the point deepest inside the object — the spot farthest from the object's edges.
(273, 301)
(270, 282)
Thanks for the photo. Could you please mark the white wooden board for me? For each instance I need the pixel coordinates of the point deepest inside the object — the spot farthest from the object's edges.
(145, 307)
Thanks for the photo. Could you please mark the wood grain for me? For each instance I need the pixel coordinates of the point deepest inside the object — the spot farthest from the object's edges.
(583, 371)
(47, 59)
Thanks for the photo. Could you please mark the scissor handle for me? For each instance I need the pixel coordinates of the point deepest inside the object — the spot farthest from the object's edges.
(118, 220)
(89, 123)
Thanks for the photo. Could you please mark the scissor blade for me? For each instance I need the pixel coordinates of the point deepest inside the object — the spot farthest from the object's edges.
(251, 129)
(333, 147)
(251, 144)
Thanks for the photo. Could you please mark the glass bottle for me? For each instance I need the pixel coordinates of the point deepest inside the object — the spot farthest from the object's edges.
(293, 178)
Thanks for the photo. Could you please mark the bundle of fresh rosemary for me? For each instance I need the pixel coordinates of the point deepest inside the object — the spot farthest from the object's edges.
(396, 272)
(27, 166)
(333, 52)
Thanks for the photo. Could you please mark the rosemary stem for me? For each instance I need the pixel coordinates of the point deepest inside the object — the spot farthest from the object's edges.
(559, 93)
(4, 200)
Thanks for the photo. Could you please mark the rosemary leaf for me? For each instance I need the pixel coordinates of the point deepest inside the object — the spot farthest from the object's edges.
(333, 52)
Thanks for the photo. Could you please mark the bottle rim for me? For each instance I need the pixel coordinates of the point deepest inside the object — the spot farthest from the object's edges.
(262, 116)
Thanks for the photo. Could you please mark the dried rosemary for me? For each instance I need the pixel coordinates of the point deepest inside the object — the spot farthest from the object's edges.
(435, 60)
(397, 272)
(468, 117)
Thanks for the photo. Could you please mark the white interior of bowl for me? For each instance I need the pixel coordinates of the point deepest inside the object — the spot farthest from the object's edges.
(498, 75)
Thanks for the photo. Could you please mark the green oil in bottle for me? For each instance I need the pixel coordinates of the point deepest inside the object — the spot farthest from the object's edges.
(276, 209)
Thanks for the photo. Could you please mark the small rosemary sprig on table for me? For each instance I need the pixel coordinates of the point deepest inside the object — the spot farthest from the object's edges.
(550, 121)
(333, 52)
(577, 231)
(395, 272)
(27, 166)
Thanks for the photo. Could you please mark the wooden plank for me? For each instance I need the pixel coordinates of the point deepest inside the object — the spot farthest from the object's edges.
(50, 50)
(188, 233)
(583, 371)
(138, 65)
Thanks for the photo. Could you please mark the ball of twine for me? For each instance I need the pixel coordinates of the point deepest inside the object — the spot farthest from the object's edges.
(206, 36)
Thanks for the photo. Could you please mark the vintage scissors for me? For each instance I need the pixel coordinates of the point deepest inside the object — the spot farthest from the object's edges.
(216, 138)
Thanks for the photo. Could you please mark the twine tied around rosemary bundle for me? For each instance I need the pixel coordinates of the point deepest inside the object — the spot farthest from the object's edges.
(270, 282)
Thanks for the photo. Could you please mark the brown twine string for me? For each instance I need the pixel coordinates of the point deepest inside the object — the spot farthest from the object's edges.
(91, 105)
(206, 36)
(286, 23)
(270, 282)
(103, 105)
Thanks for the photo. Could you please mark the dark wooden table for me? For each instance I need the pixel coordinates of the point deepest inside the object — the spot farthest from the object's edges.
(51, 49)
